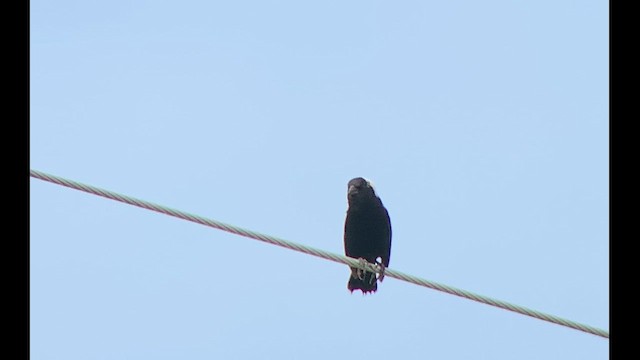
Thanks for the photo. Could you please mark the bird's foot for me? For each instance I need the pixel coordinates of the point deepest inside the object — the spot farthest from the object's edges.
(382, 269)
(360, 273)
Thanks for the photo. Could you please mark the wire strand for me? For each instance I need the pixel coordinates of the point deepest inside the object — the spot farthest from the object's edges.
(317, 252)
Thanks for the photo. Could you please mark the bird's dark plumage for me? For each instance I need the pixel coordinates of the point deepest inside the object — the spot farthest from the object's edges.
(367, 233)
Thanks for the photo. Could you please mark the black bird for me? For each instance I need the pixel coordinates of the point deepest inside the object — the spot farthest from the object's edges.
(367, 234)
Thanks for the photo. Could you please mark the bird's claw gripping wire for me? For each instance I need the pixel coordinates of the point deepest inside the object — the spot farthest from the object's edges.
(382, 268)
(360, 273)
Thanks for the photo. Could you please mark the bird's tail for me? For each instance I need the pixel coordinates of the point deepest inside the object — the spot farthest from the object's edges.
(367, 281)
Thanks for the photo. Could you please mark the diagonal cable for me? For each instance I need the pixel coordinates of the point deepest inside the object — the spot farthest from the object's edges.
(317, 252)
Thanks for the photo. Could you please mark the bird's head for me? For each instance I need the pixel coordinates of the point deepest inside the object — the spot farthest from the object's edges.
(360, 188)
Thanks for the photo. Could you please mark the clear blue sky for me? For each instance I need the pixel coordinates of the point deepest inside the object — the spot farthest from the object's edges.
(483, 125)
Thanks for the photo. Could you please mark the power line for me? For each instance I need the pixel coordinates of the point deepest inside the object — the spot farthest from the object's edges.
(317, 252)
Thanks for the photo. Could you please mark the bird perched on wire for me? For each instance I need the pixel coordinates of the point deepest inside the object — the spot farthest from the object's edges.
(367, 234)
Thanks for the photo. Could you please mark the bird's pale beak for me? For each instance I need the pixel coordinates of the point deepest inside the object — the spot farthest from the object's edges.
(352, 190)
